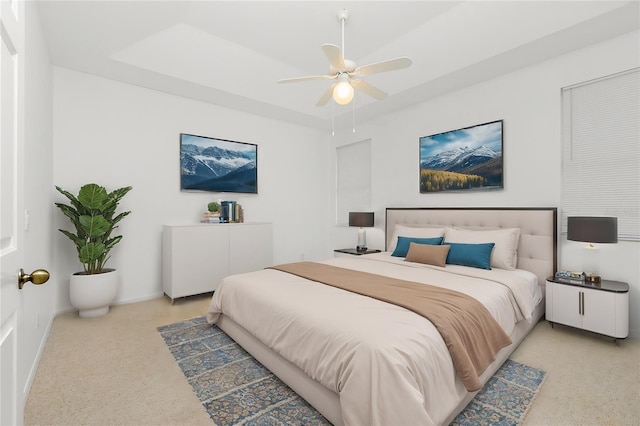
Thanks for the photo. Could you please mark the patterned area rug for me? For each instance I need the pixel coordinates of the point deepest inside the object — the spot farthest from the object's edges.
(235, 389)
(506, 397)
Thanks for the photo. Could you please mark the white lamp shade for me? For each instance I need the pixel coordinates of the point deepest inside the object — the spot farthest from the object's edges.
(343, 93)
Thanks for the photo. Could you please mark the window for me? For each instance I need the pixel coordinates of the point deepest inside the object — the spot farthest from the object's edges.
(601, 151)
(353, 173)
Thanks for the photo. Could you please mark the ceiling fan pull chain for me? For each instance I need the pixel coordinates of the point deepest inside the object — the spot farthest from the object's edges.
(354, 116)
(333, 119)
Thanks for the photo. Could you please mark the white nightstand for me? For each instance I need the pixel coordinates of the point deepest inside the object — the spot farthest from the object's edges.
(599, 307)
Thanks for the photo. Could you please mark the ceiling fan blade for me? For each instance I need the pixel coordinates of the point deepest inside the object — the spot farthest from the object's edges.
(384, 66)
(369, 89)
(326, 96)
(333, 55)
(308, 78)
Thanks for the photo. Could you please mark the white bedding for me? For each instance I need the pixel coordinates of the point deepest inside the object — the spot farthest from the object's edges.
(388, 365)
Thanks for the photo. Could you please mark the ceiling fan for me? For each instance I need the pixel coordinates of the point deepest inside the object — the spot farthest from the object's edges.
(347, 75)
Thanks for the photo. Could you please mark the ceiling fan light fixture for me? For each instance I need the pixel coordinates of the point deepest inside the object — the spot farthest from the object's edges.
(343, 93)
(347, 75)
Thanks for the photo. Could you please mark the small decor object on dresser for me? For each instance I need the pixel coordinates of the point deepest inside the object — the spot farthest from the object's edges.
(213, 207)
(231, 212)
(463, 159)
(212, 215)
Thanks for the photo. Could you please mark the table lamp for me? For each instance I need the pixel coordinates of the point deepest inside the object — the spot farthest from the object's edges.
(592, 229)
(361, 220)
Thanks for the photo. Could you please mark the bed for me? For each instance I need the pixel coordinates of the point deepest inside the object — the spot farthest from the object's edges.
(360, 360)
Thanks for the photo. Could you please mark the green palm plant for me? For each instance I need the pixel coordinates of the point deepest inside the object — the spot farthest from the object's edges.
(93, 213)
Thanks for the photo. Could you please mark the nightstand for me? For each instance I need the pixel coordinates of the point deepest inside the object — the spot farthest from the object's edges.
(353, 252)
(599, 307)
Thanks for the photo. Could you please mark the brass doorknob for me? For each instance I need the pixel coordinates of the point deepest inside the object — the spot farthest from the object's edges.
(39, 276)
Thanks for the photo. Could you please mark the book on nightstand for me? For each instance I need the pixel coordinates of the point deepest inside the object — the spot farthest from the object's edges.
(568, 280)
(569, 277)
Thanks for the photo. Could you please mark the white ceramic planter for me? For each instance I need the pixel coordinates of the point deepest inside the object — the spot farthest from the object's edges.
(92, 294)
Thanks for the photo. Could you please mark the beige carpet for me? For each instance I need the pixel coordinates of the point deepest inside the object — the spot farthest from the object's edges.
(116, 370)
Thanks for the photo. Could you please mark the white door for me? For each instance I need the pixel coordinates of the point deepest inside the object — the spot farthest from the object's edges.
(11, 204)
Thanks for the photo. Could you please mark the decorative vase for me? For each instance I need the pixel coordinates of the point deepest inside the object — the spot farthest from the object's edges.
(92, 294)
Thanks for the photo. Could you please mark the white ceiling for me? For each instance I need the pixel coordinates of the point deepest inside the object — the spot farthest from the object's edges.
(231, 53)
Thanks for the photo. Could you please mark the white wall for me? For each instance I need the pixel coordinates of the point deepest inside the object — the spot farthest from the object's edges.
(136, 131)
(528, 101)
(117, 135)
(37, 303)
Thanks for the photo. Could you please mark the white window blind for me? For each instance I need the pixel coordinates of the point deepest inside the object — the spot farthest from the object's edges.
(601, 151)
(353, 170)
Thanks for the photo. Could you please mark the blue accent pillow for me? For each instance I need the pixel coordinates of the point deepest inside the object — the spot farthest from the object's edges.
(402, 248)
(473, 255)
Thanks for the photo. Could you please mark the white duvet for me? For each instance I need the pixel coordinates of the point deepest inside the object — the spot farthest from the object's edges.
(389, 365)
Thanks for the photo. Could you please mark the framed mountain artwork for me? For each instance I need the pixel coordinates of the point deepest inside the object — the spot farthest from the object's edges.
(468, 159)
(217, 165)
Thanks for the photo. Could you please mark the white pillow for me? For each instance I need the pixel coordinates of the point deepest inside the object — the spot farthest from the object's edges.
(410, 231)
(505, 252)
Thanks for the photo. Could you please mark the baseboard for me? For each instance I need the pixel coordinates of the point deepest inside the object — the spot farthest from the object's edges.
(36, 362)
(139, 299)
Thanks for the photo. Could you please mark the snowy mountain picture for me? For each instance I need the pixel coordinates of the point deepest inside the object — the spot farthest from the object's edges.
(217, 165)
(463, 159)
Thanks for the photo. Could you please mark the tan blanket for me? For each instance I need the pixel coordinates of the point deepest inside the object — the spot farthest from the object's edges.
(471, 334)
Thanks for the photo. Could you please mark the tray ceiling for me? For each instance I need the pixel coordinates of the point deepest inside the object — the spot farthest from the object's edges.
(231, 53)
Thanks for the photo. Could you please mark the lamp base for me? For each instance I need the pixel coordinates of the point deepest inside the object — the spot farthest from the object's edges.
(362, 240)
(591, 260)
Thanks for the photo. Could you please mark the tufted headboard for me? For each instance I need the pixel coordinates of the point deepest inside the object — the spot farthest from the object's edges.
(537, 249)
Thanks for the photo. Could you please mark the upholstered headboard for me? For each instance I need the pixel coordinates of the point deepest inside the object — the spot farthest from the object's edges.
(537, 249)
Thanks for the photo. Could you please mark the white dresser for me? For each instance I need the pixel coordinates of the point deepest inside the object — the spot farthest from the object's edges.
(196, 257)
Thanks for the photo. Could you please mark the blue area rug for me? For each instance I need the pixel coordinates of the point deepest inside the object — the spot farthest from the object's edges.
(506, 397)
(235, 389)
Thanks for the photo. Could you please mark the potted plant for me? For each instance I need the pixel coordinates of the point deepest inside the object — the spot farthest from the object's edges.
(212, 214)
(93, 214)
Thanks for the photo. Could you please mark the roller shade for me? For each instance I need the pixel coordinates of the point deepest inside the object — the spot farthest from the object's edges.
(601, 151)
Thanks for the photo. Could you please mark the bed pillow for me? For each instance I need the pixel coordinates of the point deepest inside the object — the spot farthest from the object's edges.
(427, 254)
(410, 231)
(403, 244)
(505, 252)
(473, 255)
